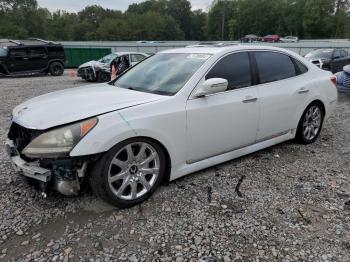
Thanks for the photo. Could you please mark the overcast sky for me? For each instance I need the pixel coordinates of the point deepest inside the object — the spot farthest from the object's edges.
(74, 5)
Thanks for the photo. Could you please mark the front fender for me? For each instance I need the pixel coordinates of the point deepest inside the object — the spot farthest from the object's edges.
(112, 129)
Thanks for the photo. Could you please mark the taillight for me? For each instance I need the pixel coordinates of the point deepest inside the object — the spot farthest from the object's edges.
(334, 80)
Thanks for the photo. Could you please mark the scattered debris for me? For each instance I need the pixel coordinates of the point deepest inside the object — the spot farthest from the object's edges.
(306, 220)
(239, 185)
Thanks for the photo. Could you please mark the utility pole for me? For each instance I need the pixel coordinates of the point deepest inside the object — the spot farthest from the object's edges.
(223, 21)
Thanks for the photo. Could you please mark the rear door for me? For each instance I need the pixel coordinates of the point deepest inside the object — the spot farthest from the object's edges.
(18, 60)
(226, 121)
(282, 90)
(38, 58)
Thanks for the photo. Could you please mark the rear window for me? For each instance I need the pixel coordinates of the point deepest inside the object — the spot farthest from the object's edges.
(55, 51)
(274, 66)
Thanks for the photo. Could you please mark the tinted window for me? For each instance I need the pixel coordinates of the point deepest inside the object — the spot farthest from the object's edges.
(235, 68)
(18, 52)
(344, 53)
(274, 66)
(55, 51)
(301, 68)
(37, 52)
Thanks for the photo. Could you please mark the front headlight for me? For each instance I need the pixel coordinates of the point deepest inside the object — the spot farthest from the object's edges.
(60, 141)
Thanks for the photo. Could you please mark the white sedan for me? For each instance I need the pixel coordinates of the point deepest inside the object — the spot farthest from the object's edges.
(175, 113)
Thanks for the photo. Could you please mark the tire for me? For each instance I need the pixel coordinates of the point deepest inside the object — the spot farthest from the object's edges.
(103, 77)
(120, 180)
(56, 69)
(310, 124)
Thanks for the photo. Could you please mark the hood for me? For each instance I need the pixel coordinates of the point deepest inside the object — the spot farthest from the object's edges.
(70, 105)
(95, 64)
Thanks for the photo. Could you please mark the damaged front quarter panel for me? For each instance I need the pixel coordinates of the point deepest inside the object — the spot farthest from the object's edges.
(67, 174)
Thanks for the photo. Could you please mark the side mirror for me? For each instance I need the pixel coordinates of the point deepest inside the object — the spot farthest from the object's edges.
(212, 86)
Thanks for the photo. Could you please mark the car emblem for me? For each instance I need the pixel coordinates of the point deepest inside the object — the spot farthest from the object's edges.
(133, 170)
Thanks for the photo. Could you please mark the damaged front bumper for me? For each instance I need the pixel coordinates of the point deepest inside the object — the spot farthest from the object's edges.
(65, 175)
(28, 169)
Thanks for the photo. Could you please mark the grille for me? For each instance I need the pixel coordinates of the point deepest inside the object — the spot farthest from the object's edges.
(22, 136)
(85, 71)
(346, 82)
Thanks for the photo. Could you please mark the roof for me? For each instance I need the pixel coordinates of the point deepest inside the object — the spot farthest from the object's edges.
(28, 42)
(220, 49)
(126, 53)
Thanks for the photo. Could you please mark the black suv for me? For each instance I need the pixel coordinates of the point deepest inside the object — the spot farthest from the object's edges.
(30, 57)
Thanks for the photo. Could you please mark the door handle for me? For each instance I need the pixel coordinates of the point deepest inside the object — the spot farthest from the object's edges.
(303, 91)
(250, 99)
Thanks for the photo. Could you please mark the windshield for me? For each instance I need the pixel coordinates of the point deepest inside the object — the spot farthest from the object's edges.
(108, 58)
(3, 51)
(322, 53)
(163, 74)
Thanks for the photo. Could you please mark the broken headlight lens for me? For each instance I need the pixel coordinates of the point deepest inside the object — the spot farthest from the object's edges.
(59, 141)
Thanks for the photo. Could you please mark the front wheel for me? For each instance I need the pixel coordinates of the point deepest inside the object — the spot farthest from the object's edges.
(310, 124)
(103, 77)
(129, 173)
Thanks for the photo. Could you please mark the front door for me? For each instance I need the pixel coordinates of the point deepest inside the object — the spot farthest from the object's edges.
(18, 60)
(225, 121)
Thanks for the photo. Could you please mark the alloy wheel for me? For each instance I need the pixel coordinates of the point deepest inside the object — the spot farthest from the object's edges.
(312, 122)
(133, 170)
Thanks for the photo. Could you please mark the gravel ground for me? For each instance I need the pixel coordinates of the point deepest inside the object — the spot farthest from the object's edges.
(286, 203)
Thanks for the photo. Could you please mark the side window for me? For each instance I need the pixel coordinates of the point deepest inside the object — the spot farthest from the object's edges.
(344, 53)
(37, 52)
(301, 68)
(336, 54)
(235, 68)
(55, 51)
(274, 66)
(136, 58)
(18, 52)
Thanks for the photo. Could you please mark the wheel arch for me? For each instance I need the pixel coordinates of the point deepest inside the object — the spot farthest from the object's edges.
(318, 101)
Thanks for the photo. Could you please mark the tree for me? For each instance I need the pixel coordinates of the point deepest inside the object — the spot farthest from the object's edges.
(198, 25)
(318, 18)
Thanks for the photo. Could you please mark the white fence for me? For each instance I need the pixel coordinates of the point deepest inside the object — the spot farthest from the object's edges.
(302, 47)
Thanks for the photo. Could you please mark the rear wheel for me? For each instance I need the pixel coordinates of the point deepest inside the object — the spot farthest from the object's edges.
(129, 173)
(310, 124)
(56, 69)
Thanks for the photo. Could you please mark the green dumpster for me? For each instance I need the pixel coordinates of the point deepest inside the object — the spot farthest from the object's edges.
(77, 56)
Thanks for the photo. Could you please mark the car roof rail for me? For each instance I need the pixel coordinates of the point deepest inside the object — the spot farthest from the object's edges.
(42, 40)
(217, 44)
(14, 42)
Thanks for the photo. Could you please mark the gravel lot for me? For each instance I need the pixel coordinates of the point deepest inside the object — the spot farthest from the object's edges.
(293, 204)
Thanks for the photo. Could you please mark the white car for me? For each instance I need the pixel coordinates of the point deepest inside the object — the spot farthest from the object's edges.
(289, 39)
(175, 113)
